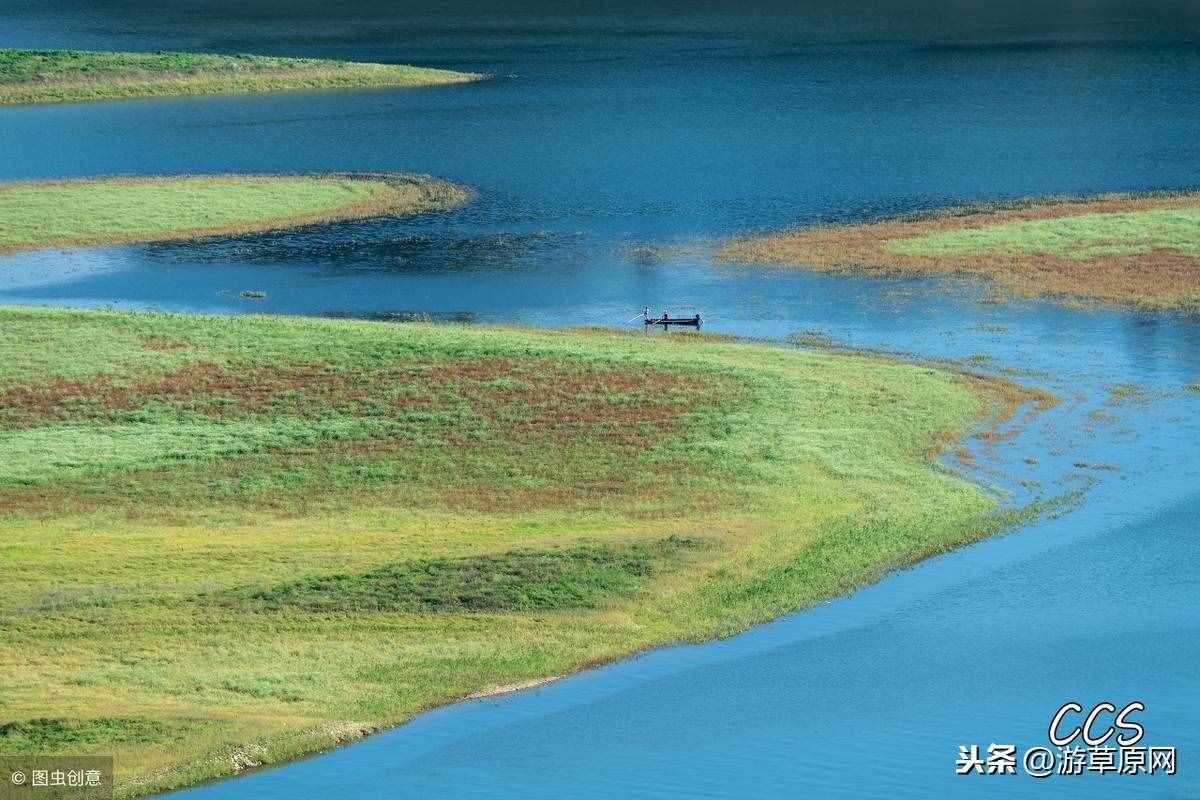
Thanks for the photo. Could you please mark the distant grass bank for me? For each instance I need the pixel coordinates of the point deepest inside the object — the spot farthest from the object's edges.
(59, 76)
(119, 210)
(228, 541)
(1141, 250)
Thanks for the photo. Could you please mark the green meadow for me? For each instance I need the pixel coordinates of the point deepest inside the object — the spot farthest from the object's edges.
(114, 210)
(1081, 236)
(230, 541)
(57, 76)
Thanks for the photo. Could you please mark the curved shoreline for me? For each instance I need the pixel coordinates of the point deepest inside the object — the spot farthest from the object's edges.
(812, 525)
(1138, 250)
(280, 753)
(391, 194)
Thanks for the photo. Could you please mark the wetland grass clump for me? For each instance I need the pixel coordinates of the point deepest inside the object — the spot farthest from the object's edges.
(60, 76)
(42, 734)
(1142, 250)
(576, 577)
(106, 211)
(242, 539)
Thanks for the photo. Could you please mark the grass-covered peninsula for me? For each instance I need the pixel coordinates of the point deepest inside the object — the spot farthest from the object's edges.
(100, 211)
(1141, 250)
(229, 541)
(59, 76)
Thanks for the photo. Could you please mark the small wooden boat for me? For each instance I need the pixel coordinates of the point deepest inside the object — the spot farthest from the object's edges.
(666, 320)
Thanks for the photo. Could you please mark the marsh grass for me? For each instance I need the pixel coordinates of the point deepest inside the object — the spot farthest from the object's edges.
(57, 76)
(1133, 249)
(105, 211)
(43, 735)
(516, 580)
(269, 536)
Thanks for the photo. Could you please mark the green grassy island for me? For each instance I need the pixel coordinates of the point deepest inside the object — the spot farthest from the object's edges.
(226, 542)
(59, 76)
(1142, 250)
(104, 211)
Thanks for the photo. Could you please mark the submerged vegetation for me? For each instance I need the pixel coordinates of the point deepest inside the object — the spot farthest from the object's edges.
(56, 76)
(115, 210)
(258, 537)
(1143, 250)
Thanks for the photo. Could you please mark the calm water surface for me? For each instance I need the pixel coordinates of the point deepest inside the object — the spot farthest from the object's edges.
(615, 145)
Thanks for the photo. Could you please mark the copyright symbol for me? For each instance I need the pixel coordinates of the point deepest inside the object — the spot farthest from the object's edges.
(18, 778)
(1039, 762)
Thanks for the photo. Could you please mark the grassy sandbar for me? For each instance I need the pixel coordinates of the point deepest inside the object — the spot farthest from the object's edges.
(230, 541)
(105, 211)
(57, 76)
(1142, 250)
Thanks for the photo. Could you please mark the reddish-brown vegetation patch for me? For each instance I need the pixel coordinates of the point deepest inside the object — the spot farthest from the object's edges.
(554, 400)
(542, 394)
(202, 386)
(161, 343)
(500, 432)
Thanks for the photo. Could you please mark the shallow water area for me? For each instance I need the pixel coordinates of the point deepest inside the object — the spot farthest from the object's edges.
(615, 146)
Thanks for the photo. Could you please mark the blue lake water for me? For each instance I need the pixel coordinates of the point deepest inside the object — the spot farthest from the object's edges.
(615, 145)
